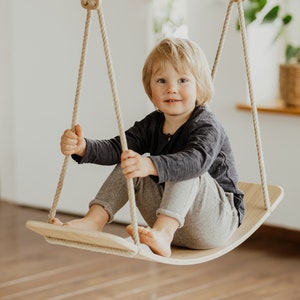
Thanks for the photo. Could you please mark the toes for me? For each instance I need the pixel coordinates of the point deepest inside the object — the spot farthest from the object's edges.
(57, 221)
(142, 231)
(129, 229)
(152, 239)
(67, 224)
(145, 231)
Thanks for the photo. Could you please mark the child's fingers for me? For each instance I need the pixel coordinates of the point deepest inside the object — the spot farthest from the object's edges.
(131, 164)
(129, 161)
(69, 134)
(69, 137)
(128, 154)
(78, 131)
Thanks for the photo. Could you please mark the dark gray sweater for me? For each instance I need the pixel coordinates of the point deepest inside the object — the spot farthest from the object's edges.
(198, 146)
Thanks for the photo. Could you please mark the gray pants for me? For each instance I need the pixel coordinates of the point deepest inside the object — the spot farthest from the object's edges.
(206, 213)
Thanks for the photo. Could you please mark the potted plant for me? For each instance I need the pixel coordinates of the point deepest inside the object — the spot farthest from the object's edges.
(261, 12)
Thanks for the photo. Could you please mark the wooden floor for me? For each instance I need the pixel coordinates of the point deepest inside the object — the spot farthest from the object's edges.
(262, 268)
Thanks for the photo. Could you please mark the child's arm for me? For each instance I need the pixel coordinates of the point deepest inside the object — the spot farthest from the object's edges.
(73, 142)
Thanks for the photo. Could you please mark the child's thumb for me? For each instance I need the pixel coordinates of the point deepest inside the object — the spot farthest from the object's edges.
(78, 131)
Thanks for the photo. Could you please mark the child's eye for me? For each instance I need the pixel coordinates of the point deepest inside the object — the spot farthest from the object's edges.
(161, 80)
(183, 80)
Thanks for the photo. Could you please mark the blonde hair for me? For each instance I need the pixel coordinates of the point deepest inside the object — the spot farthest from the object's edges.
(183, 54)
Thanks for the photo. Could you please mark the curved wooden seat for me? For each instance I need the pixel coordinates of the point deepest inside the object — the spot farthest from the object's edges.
(255, 215)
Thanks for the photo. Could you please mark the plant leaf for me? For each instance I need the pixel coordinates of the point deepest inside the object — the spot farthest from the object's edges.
(261, 4)
(272, 15)
(258, 5)
(291, 52)
(287, 19)
(250, 16)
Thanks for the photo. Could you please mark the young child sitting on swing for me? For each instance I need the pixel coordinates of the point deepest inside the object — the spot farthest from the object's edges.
(186, 189)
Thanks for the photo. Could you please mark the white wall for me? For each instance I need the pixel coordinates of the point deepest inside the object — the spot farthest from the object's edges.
(280, 133)
(39, 56)
(42, 50)
(6, 106)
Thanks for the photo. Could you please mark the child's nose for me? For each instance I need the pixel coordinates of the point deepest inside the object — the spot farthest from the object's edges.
(172, 88)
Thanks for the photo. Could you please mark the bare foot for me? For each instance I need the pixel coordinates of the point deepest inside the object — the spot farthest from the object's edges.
(84, 224)
(158, 241)
(94, 220)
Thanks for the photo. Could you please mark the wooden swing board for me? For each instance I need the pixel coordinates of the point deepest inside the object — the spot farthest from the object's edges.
(112, 244)
(101, 239)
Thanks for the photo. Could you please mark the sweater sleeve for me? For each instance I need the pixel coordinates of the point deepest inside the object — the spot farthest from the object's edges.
(101, 152)
(108, 152)
(195, 158)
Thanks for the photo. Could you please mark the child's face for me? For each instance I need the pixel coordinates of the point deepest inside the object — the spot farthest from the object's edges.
(173, 93)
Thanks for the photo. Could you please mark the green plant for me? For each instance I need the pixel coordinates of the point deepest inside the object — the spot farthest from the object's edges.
(167, 19)
(292, 53)
(258, 11)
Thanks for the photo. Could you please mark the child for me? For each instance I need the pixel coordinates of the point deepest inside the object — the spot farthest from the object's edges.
(186, 189)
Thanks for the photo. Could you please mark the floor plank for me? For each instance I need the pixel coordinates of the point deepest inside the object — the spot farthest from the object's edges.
(264, 267)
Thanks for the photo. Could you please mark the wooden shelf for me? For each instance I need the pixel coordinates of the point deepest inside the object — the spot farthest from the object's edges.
(277, 107)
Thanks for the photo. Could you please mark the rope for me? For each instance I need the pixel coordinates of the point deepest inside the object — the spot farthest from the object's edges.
(222, 39)
(130, 187)
(60, 183)
(259, 149)
(250, 88)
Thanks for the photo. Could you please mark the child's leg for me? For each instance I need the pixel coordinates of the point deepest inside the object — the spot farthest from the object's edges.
(160, 236)
(197, 212)
(177, 199)
(151, 200)
(211, 219)
(113, 194)
(110, 198)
